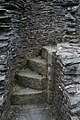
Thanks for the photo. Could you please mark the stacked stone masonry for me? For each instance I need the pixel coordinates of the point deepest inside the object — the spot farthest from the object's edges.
(39, 23)
(66, 68)
(33, 23)
(5, 53)
(70, 31)
(36, 23)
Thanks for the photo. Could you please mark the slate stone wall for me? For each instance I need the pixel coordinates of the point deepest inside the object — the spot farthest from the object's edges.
(66, 86)
(5, 55)
(35, 23)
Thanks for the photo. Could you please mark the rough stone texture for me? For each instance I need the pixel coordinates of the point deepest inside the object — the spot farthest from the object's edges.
(38, 65)
(71, 31)
(47, 53)
(35, 24)
(28, 78)
(31, 112)
(66, 84)
(38, 23)
(5, 53)
(24, 96)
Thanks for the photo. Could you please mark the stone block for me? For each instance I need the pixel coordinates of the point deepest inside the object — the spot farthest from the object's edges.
(38, 65)
(23, 96)
(28, 78)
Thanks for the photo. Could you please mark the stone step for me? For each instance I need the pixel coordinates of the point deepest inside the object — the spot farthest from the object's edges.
(22, 96)
(28, 78)
(5, 19)
(38, 65)
(47, 50)
(31, 112)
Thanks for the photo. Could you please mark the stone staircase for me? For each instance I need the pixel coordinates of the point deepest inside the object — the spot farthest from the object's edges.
(31, 82)
(31, 85)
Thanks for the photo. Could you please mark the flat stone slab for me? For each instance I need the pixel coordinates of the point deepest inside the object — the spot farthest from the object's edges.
(28, 78)
(23, 96)
(39, 65)
(31, 112)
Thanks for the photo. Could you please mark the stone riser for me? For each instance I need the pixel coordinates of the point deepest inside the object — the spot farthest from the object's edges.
(35, 83)
(38, 65)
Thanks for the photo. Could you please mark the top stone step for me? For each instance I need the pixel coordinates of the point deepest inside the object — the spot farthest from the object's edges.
(47, 49)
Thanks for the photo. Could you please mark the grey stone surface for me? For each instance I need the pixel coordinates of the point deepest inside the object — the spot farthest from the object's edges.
(47, 53)
(38, 23)
(38, 65)
(66, 81)
(28, 78)
(5, 49)
(25, 96)
(35, 112)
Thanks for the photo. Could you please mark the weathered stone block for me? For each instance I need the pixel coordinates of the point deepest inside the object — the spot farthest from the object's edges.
(23, 96)
(38, 65)
(28, 78)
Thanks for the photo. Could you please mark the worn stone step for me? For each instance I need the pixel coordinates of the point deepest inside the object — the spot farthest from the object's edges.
(23, 96)
(39, 65)
(46, 50)
(28, 78)
(5, 19)
(31, 112)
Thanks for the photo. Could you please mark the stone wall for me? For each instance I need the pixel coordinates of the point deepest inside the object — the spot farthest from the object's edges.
(38, 23)
(35, 23)
(5, 53)
(66, 78)
(66, 85)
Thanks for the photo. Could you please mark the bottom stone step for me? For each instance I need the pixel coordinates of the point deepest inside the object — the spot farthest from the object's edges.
(31, 112)
(23, 96)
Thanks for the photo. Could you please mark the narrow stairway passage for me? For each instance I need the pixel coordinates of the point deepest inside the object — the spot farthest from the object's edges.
(29, 99)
